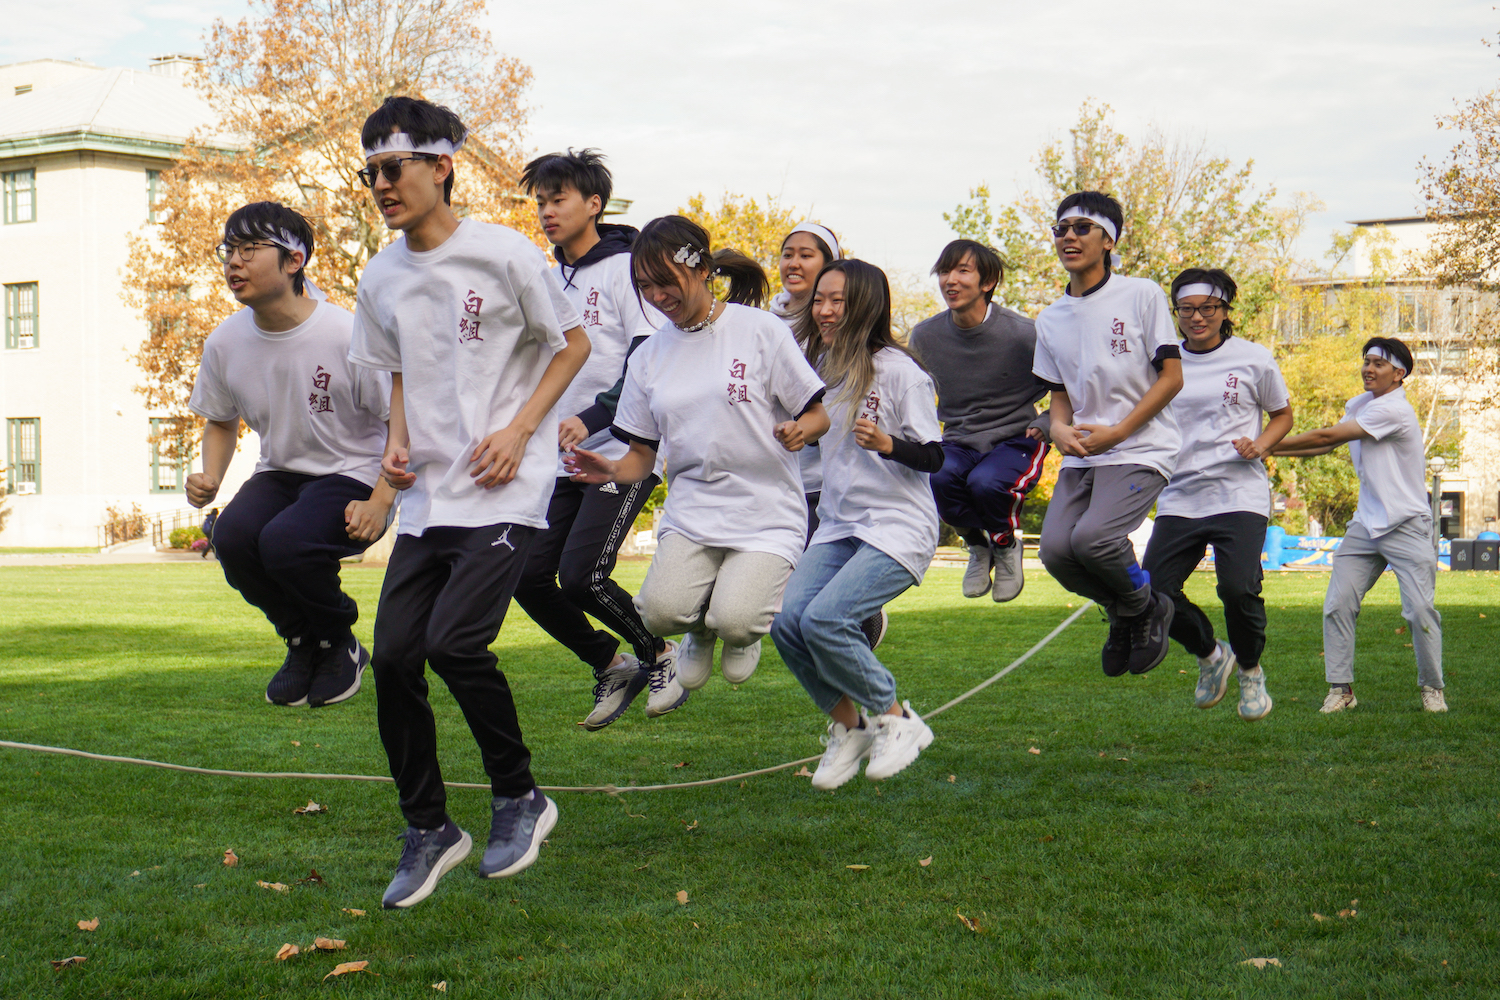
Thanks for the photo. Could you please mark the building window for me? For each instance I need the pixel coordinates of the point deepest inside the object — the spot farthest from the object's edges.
(153, 190)
(22, 317)
(23, 88)
(1413, 313)
(23, 455)
(20, 196)
(171, 453)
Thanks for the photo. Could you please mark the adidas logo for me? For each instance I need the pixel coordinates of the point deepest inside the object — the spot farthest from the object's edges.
(610, 488)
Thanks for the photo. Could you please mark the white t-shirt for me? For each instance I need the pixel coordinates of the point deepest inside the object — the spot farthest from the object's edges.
(471, 326)
(809, 459)
(711, 400)
(882, 503)
(1224, 393)
(1390, 466)
(1100, 348)
(316, 414)
(603, 293)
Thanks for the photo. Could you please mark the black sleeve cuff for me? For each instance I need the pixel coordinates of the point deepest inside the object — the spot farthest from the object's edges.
(817, 398)
(596, 418)
(1051, 386)
(630, 438)
(1163, 353)
(921, 457)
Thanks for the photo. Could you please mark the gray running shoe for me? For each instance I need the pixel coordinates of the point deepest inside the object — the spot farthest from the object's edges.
(1008, 576)
(1254, 702)
(695, 659)
(292, 682)
(425, 857)
(977, 573)
(1213, 678)
(517, 829)
(614, 691)
(666, 694)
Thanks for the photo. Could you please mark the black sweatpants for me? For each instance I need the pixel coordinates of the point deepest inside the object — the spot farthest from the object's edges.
(445, 596)
(1178, 544)
(568, 572)
(280, 541)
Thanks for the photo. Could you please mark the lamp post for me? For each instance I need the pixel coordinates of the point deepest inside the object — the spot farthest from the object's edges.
(1435, 465)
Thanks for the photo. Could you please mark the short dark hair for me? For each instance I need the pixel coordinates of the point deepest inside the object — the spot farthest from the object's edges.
(422, 120)
(267, 220)
(583, 171)
(1395, 347)
(1095, 203)
(1209, 276)
(990, 264)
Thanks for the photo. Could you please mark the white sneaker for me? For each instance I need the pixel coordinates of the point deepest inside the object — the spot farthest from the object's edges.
(846, 748)
(695, 659)
(1213, 677)
(1008, 576)
(1432, 699)
(614, 691)
(1338, 699)
(977, 573)
(1255, 703)
(737, 663)
(898, 740)
(666, 694)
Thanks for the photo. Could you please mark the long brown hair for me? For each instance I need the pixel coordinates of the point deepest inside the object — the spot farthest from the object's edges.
(661, 242)
(848, 364)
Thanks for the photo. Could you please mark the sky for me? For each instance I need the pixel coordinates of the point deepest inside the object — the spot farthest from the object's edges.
(878, 116)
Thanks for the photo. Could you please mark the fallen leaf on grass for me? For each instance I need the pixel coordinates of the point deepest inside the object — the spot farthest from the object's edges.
(682, 897)
(328, 944)
(311, 809)
(1401, 630)
(1032, 750)
(89, 925)
(1126, 759)
(441, 987)
(1048, 839)
(1319, 917)
(1348, 913)
(970, 923)
(952, 778)
(354, 913)
(279, 887)
(286, 951)
(695, 924)
(1482, 614)
(346, 967)
(858, 868)
(691, 826)
(313, 878)
(63, 963)
(296, 743)
(1261, 963)
(1182, 671)
(686, 763)
(803, 773)
(1407, 645)
(134, 874)
(642, 867)
(201, 885)
(230, 858)
(925, 861)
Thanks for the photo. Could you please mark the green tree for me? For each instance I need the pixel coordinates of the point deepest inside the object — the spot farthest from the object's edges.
(746, 225)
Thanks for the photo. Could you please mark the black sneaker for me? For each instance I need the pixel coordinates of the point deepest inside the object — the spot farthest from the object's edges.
(425, 857)
(517, 829)
(290, 685)
(336, 672)
(874, 628)
(1148, 633)
(1115, 657)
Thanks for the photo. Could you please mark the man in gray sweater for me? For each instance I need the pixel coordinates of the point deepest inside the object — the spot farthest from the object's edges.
(980, 356)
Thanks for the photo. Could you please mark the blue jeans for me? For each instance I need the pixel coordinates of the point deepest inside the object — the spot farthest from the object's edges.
(836, 586)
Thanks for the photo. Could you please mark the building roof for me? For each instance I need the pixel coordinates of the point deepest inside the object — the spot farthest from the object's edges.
(1402, 220)
(124, 110)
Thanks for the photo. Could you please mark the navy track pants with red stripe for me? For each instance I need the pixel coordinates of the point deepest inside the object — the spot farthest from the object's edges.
(982, 493)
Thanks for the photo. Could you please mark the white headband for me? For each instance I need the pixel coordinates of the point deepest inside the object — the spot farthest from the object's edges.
(1098, 220)
(821, 232)
(402, 142)
(1382, 353)
(1203, 288)
(287, 241)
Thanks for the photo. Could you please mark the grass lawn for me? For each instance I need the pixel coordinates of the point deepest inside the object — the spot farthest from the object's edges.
(1146, 851)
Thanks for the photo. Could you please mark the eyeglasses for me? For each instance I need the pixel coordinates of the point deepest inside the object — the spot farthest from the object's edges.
(225, 251)
(1208, 310)
(390, 168)
(1080, 228)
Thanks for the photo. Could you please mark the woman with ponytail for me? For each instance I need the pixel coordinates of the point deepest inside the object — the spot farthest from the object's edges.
(879, 523)
(723, 391)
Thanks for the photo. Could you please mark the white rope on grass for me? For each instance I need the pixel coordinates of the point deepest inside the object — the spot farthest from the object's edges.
(607, 789)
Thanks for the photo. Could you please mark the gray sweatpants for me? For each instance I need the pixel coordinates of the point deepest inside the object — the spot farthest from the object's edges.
(695, 588)
(1085, 543)
(1357, 565)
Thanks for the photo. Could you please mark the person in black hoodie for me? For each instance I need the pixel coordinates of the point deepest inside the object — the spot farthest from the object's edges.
(567, 573)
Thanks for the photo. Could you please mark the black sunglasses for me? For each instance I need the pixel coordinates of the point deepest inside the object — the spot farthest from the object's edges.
(390, 168)
(1081, 228)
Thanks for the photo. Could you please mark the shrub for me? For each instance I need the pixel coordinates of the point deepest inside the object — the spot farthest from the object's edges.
(183, 538)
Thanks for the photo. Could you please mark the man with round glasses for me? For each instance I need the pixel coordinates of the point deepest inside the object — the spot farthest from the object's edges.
(281, 365)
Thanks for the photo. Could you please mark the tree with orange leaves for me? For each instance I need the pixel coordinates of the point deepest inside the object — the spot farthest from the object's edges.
(292, 85)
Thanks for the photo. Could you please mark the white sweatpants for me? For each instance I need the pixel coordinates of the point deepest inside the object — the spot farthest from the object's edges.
(697, 588)
(1357, 565)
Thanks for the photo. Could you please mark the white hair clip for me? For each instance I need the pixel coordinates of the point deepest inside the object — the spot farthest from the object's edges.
(687, 255)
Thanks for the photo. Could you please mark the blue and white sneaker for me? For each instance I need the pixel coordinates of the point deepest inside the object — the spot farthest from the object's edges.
(517, 829)
(666, 695)
(1255, 703)
(425, 857)
(1213, 677)
(615, 689)
(337, 671)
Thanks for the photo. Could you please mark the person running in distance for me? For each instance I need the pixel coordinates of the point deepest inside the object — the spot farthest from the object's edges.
(994, 441)
(480, 343)
(1219, 494)
(281, 365)
(879, 527)
(726, 394)
(1108, 351)
(1391, 527)
(567, 575)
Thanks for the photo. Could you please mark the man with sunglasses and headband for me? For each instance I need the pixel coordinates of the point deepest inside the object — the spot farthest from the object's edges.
(481, 343)
(1108, 351)
(282, 367)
